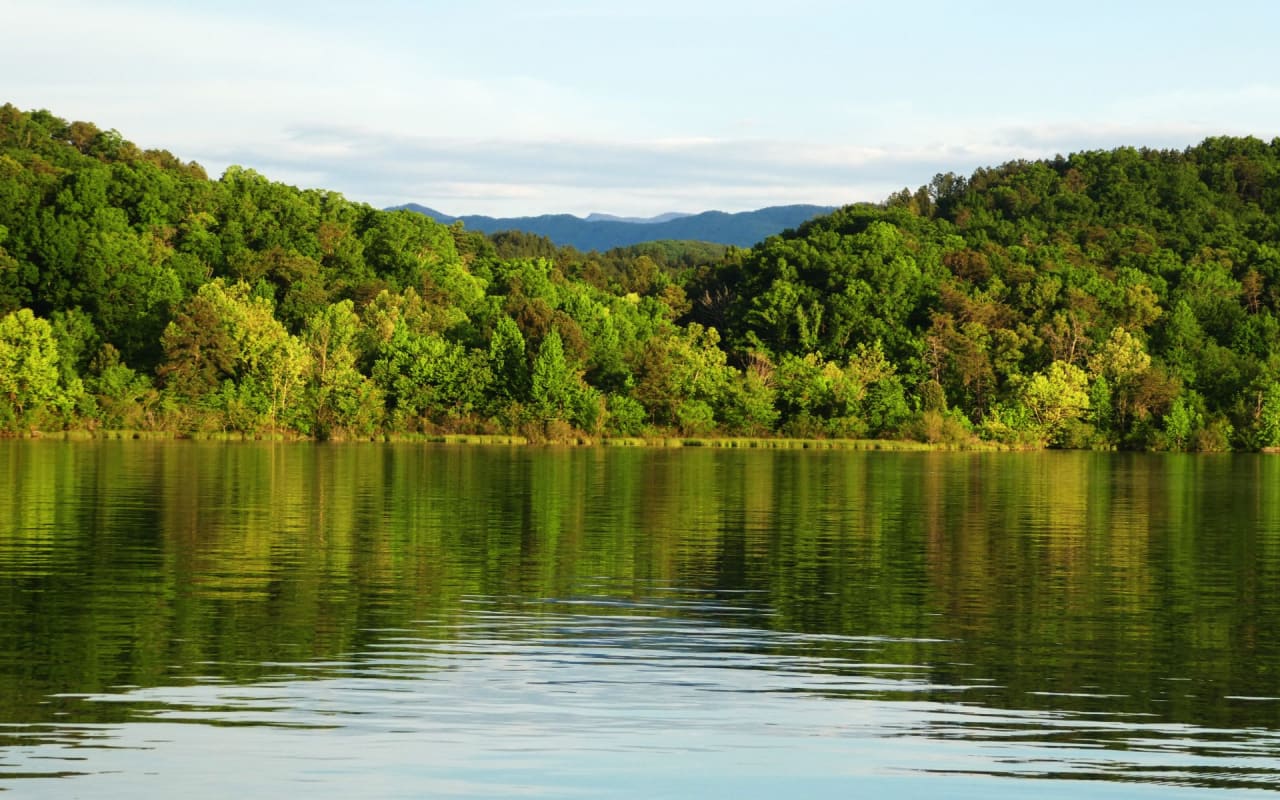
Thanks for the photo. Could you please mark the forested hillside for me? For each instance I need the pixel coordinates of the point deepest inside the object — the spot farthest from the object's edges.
(1125, 298)
(1107, 298)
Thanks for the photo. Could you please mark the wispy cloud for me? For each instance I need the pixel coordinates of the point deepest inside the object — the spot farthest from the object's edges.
(503, 176)
(507, 176)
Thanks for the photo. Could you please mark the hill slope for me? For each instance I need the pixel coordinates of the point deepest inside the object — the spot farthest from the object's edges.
(1126, 298)
(1123, 298)
(742, 229)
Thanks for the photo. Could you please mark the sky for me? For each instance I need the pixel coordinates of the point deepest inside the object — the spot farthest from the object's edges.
(639, 108)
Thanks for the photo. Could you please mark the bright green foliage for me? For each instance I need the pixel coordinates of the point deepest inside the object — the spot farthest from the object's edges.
(291, 280)
(852, 278)
(1010, 424)
(226, 350)
(822, 398)
(679, 366)
(885, 408)
(626, 417)
(412, 251)
(134, 297)
(750, 406)
(1123, 362)
(28, 366)
(340, 398)
(121, 393)
(1182, 423)
(1055, 397)
(1269, 417)
(77, 340)
(695, 418)
(508, 362)
(1101, 412)
(553, 384)
(813, 392)
(429, 380)
(610, 328)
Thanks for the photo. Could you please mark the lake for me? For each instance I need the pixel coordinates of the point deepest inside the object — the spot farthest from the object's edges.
(362, 620)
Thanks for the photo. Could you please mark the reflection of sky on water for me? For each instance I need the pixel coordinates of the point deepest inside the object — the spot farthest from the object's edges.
(598, 705)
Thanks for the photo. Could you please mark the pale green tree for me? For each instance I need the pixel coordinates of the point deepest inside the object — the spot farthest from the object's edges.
(340, 397)
(28, 364)
(1121, 361)
(226, 347)
(1055, 397)
(681, 366)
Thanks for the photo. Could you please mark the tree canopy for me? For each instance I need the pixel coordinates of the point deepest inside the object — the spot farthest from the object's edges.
(1122, 298)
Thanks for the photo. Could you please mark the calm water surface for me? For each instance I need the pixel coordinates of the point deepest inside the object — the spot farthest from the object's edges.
(410, 621)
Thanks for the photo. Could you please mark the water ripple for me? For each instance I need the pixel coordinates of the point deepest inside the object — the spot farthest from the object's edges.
(577, 698)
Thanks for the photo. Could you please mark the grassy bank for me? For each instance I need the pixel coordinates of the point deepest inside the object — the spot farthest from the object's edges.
(733, 443)
(796, 444)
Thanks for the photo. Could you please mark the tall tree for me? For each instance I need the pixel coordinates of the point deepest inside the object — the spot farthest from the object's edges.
(28, 365)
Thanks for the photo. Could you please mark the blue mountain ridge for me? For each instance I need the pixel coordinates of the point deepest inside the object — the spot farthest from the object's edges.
(603, 232)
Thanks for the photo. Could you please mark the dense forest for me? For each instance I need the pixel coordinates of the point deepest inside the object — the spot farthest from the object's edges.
(1126, 298)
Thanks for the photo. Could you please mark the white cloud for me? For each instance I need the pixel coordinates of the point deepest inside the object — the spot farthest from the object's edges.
(579, 175)
(502, 177)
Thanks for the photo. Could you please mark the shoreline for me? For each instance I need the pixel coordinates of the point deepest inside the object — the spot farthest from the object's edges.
(650, 442)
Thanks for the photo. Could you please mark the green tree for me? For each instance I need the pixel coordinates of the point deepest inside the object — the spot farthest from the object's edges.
(1269, 416)
(122, 394)
(28, 365)
(553, 383)
(751, 403)
(1056, 397)
(508, 362)
(428, 379)
(679, 366)
(340, 397)
(1181, 424)
(1123, 361)
(227, 350)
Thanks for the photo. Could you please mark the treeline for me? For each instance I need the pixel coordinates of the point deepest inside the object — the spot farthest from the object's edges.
(1107, 299)
(137, 293)
(1123, 298)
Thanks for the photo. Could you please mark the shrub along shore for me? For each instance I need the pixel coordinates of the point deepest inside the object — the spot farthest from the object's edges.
(660, 442)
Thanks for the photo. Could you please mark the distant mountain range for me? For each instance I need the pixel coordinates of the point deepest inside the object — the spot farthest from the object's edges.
(605, 231)
(639, 220)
